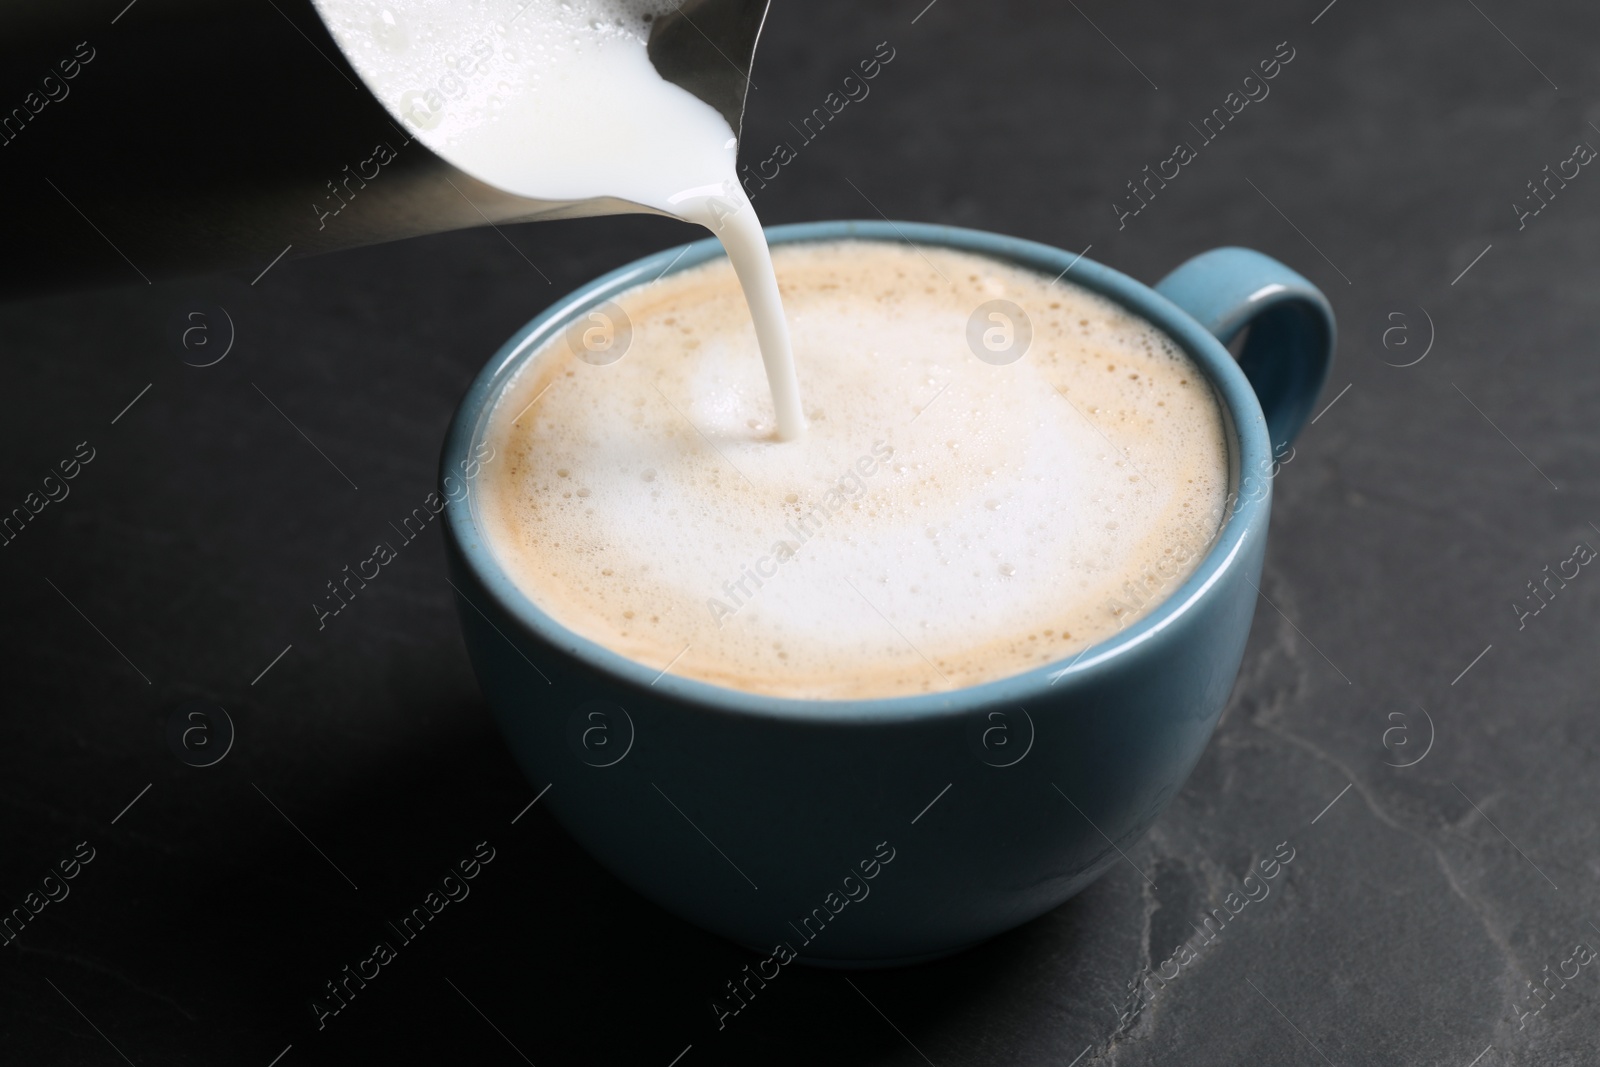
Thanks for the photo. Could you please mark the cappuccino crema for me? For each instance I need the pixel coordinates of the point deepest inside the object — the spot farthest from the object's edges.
(996, 465)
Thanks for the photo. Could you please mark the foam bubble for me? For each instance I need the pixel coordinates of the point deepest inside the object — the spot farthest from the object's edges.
(946, 521)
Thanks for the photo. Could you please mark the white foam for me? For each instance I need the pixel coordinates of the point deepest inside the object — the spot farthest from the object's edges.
(558, 102)
(946, 521)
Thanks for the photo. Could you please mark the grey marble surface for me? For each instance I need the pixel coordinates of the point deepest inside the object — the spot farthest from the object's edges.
(1421, 899)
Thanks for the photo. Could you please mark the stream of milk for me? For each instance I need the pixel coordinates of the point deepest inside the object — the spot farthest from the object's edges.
(558, 102)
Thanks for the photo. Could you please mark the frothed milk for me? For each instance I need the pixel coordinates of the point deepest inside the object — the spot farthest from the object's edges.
(557, 101)
(948, 520)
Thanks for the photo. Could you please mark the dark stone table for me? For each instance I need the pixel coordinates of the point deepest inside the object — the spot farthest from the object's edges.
(1427, 750)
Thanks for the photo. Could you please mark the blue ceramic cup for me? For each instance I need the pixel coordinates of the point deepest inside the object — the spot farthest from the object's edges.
(884, 831)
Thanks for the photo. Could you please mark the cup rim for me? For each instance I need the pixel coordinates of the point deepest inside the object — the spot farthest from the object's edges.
(1245, 433)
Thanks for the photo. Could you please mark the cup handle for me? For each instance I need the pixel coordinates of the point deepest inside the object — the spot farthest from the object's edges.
(1289, 349)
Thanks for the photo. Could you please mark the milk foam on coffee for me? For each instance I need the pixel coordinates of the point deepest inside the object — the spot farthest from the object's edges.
(556, 100)
(947, 520)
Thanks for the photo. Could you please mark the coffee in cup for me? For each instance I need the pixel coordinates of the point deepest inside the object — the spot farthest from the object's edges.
(1000, 470)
